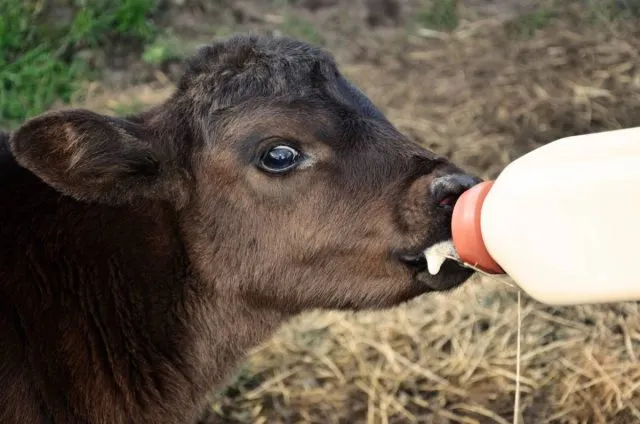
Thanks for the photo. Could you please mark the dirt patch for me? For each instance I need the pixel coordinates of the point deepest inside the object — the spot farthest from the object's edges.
(484, 94)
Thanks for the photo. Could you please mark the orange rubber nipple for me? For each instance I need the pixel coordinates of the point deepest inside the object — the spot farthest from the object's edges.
(466, 231)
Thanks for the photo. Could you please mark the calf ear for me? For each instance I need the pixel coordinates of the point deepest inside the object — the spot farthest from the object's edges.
(93, 157)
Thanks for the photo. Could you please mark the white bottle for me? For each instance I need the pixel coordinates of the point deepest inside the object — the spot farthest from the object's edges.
(563, 221)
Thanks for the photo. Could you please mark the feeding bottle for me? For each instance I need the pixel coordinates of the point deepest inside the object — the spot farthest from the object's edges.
(563, 221)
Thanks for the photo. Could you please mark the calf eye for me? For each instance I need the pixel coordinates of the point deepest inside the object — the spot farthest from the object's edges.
(280, 159)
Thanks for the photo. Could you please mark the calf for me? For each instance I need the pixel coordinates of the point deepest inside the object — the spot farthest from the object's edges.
(141, 257)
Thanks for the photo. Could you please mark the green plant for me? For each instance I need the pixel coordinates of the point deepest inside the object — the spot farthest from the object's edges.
(126, 18)
(528, 24)
(163, 48)
(38, 64)
(298, 27)
(439, 15)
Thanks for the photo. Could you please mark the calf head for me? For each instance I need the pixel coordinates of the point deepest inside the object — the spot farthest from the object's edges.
(291, 190)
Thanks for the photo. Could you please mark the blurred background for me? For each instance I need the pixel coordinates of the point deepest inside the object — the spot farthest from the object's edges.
(481, 81)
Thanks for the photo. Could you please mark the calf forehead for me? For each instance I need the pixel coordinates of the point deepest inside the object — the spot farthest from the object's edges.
(244, 67)
(225, 74)
(353, 97)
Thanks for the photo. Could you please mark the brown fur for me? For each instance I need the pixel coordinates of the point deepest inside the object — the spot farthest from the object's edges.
(141, 257)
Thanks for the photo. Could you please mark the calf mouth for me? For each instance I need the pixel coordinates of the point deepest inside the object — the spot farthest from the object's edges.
(435, 267)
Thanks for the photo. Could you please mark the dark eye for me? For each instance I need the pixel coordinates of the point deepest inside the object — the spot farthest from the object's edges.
(280, 159)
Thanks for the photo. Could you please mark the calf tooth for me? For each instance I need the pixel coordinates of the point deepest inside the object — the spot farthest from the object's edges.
(437, 254)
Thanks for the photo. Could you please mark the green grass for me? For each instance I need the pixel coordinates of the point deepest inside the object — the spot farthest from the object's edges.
(38, 64)
(439, 15)
(164, 47)
(528, 24)
(297, 27)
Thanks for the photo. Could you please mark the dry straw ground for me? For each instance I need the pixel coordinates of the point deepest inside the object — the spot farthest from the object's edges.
(484, 94)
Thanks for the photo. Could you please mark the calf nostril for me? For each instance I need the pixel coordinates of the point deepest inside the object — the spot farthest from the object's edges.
(448, 201)
(447, 189)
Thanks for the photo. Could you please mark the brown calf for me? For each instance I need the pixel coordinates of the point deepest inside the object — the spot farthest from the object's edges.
(141, 257)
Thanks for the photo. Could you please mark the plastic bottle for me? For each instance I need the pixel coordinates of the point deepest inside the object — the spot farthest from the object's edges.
(563, 221)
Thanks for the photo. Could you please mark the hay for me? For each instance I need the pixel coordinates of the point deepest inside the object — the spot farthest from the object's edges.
(449, 358)
(483, 96)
